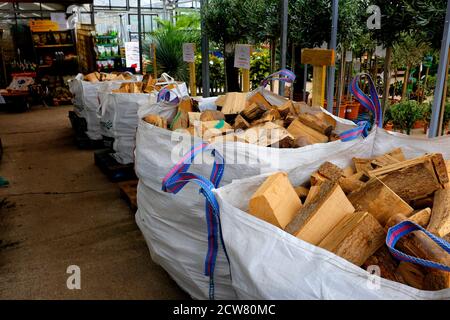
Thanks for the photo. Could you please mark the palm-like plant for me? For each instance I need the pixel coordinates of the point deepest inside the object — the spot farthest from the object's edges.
(169, 39)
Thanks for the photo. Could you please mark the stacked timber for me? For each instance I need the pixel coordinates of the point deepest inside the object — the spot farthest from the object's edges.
(252, 119)
(348, 212)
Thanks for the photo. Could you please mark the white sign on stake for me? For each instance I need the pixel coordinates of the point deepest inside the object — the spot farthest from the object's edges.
(132, 54)
(242, 56)
(188, 52)
(348, 56)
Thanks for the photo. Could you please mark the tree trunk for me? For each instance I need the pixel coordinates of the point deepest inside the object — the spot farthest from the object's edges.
(405, 83)
(273, 55)
(225, 67)
(386, 79)
(375, 70)
(395, 82)
(273, 59)
(291, 95)
(425, 80)
(419, 86)
(341, 79)
(232, 74)
(349, 79)
(300, 79)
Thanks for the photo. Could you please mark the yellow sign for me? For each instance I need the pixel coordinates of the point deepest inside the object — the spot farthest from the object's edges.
(43, 25)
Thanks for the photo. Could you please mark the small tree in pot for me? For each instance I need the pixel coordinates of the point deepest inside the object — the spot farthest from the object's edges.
(405, 114)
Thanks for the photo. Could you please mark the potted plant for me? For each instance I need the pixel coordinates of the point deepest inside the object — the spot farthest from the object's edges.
(405, 113)
(446, 119)
(388, 124)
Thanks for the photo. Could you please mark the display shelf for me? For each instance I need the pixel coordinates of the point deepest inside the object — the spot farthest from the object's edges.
(107, 44)
(108, 58)
(55, 45)
(106, 37)
(85, 47)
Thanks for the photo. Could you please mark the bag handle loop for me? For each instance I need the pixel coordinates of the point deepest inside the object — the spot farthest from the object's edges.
(178, 177)
(400, 230)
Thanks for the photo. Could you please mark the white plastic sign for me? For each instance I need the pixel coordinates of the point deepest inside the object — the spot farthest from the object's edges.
(188, 52)
(132, 54)
(348, 56)
(242, 56)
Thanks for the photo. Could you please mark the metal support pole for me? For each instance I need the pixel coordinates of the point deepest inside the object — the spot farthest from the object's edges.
(332, 45)
(440, 78)
(284, 23)
(91, 14)
(139, 34)
(305, 76)
(205, 56)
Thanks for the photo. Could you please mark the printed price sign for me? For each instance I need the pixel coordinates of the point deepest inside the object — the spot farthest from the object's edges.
(242, 56)
(132, 55)
(348, 56)
(188, 52)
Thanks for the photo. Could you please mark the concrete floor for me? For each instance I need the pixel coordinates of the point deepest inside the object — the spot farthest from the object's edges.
(60, 210)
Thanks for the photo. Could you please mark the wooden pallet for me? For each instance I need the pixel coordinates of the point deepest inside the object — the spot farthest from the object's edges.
(108, 142)
(111, 168)
(79, 124)
(82, 141)
(128, 192)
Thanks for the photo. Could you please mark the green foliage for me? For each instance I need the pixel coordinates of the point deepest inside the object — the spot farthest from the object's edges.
(216, 71)
(259, 66)
(169, 39)
(267, 21)
(395, 19)
(429, 16)
(427, 114)
(431, 86)
(231, 21)
(310, 22)
(409, 51)
(405, 113)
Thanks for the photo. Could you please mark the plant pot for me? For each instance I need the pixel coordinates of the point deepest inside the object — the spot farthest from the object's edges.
(419, 124)
(342, 110)
(389, 126)
(352, 111)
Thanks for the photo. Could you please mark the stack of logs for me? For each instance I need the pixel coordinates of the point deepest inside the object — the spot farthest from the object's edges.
(253, 119)
(101, 76)
(348, 212)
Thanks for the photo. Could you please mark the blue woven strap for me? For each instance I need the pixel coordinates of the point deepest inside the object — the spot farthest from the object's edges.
(177, 178)
(362, 130)
(164, 95)
(186, 161)
(283, 75)
(372, 102)
(400, 230)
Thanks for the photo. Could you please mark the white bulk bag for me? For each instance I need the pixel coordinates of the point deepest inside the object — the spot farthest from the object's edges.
(86, 101)
(165, 109)
(118, 118)
(182, 216)
(76, 90)
(268, 263)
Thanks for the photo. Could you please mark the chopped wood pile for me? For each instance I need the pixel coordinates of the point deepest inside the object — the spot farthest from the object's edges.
(101, 76)
(348, 211)
(253, 119)
(130, 87)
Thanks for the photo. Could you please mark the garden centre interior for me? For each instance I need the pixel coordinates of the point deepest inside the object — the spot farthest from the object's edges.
(224, 149)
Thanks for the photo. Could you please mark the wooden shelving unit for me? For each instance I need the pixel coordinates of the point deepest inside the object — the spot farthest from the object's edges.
(55, 48)
(85, 48)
